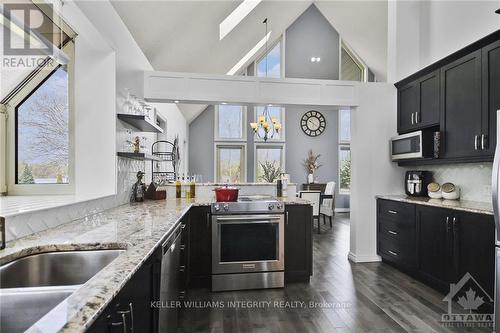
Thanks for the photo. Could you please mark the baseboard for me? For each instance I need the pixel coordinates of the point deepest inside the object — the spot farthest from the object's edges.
(366, 258)
(342, 210)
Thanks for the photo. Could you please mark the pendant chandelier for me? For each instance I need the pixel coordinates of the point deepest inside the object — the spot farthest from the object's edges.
(266, 126)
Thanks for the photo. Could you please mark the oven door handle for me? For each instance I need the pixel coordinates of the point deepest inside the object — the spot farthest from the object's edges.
(250, 218)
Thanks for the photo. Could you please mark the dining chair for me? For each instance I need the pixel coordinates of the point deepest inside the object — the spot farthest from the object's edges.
(327, 203)
(314, 197)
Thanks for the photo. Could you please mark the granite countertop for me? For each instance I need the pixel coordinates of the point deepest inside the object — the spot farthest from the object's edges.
(138, 228)
(463, 205)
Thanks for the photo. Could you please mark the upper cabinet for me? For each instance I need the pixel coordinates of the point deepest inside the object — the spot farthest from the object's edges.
(458, 96)
(418, 103)
(461, 107)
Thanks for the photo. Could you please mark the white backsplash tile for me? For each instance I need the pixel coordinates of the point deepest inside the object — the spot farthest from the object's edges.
(24, 224)
(474, 179)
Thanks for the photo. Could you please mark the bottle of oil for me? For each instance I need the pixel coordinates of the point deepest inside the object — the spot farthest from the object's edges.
(178, 188)
(192, 187)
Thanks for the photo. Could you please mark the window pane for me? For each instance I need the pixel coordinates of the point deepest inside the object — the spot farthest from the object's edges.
(345, 168)
(350, 70)
(230, 122)
(42, 133)
(269, 164)
(345, 125)
(271, 68)
(274, 112)
(229, 164)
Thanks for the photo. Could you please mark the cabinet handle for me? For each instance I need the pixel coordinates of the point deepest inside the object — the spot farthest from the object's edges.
(448, 227)
(208, 220)
(476, 140)
(131, 317)
(483, 141)
(416, 118)
(182, 294)
(286, 218)
(455, 226)
(393, 253)
(392, 232)
(392, 211)
(182, 268)
(124, 321)
(412, 118)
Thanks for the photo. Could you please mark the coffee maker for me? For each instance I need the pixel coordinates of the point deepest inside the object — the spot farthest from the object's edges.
(416, 183)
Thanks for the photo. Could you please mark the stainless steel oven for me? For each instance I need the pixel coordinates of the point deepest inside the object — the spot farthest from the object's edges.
(415, 145)
(248, 246)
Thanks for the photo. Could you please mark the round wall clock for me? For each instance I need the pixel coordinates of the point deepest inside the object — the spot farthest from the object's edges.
(313, 123)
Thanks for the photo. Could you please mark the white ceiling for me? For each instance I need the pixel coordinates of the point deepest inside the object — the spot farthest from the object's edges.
(183, 36)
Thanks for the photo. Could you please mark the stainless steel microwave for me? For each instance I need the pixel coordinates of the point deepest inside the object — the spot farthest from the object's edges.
(415, 145)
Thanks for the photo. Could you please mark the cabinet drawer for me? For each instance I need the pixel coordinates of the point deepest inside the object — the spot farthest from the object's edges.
(397, 251)
(400, 212)
(396, 230)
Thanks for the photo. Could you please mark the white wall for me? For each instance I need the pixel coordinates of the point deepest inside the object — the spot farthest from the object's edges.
(373, 122)
(95, 162)
(422, 32)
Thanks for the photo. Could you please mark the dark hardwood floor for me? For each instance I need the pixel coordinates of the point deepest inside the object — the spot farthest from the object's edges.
(346, 297)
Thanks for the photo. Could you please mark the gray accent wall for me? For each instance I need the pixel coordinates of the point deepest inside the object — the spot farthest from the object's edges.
(201, 144)
(298, 145)
(311, 35)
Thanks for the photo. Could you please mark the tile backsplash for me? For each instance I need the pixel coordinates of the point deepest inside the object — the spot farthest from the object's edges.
(474, 179)
(20, 225)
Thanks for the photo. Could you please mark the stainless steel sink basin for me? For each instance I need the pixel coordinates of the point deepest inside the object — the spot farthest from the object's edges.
(55, 268)
(22, 307)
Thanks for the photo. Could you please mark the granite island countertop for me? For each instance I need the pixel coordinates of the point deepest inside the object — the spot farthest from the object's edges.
(463, 205)
(138, 228)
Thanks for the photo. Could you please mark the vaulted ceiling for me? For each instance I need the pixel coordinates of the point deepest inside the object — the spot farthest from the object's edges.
(184, 35)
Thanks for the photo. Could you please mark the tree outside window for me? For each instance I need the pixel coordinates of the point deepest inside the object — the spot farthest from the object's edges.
(344, 150)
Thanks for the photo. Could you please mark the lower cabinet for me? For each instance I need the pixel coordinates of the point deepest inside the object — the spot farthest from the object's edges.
(200, 247)
(298, 243)
(449, 244)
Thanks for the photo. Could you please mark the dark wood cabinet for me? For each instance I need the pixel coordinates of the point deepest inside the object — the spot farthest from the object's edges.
(131, 309)
(491, 96)
(298, 243)
(461, 107)
(449, 244)
(434, 244)
(418, 103)
(200, 247)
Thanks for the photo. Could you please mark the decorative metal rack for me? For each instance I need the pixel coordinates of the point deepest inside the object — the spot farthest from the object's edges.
(168, 158)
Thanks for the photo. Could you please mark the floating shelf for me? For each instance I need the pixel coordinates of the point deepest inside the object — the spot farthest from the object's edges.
(140, 122)
(139, 156)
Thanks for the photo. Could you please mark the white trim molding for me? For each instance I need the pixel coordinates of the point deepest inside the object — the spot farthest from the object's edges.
(246, 90)
(363, 258)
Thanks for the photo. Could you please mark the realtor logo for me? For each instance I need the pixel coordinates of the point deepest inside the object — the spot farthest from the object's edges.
(469, 305)
(25, 30)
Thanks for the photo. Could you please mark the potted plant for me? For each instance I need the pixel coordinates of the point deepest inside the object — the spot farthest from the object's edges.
(311, 165)
(270, 172)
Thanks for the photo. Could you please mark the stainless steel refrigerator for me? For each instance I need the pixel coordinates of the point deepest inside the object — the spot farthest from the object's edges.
(495, 186)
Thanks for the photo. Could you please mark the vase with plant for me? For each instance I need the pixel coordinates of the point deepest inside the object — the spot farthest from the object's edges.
(270, 172)
(311, 164)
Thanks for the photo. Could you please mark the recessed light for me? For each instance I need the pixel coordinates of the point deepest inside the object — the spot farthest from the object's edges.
(223, 103)
(318, 59)
(269, 105)
(176, 102)
(315, 59)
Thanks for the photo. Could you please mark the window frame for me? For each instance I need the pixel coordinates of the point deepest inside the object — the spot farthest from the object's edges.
(355, 58)
(268, 145)
(342, 145)
(243, 159)
(13, 103)
(265, 52)
(243, 126)
(282, 121)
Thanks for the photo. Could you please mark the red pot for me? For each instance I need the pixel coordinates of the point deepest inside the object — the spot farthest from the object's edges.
(226, 194)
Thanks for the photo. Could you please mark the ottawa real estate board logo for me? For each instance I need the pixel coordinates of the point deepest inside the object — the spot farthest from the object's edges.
(469, 305)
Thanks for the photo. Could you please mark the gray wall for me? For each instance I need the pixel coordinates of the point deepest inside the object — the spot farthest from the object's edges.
(298, 144)
(311, 35)
(201, 145)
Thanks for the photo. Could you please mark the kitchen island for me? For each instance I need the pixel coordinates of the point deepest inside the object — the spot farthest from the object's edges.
(138, 228)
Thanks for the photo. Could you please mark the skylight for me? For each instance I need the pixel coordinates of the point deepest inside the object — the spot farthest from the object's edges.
(236, 16)
(249, 55)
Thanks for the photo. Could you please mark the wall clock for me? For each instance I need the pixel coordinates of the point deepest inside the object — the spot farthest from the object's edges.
(313, 123)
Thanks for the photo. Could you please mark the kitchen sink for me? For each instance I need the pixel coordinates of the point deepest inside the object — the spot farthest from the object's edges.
(32, 286)
(22, 307)
(55, 268)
